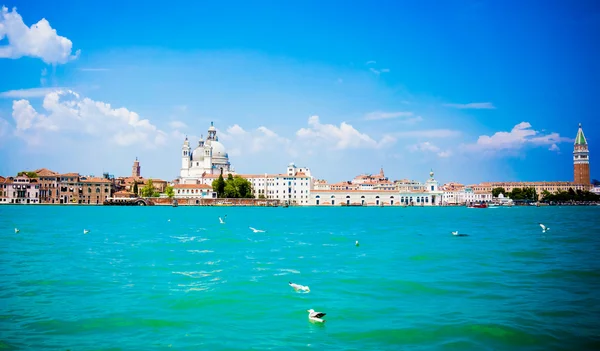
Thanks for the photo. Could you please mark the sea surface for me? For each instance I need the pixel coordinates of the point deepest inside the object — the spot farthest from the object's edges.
(164, 278)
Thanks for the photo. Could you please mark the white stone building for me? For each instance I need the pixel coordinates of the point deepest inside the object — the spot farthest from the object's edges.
(194, 191)
(209, 157)
(19, 190)
(414, 194)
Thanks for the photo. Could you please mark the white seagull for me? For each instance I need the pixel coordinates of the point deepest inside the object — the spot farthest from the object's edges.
(544, 228)
(357, 244)
(456, 234)
(256, 230)
(85, 231)
(315, 316)
(16, 230)
(299, 287)
(221, 220)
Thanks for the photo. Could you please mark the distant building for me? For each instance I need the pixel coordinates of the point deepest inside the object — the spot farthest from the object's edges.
(135, 169)
(197, 191)
(369, 190)
(208, 158)
(19, 190)
(581, 159)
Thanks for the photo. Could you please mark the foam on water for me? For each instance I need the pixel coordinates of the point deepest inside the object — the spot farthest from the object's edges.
(138, 281)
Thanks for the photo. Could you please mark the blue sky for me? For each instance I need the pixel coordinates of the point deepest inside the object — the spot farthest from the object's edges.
(476, 90)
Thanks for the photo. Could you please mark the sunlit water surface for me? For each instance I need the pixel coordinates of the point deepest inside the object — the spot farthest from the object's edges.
(160, 278)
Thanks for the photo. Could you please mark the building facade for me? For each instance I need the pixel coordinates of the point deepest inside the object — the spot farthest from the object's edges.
(365, 190)
(581, 159)
(19, 190)
(209, 157)
(194, 191)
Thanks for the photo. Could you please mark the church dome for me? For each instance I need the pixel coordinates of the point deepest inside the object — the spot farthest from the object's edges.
(218, 150)
(198, 154)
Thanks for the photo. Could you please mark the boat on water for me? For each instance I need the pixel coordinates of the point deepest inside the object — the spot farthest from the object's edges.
(479, 205)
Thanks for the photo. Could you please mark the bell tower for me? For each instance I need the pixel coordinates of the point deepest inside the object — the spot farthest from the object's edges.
(135, 169)
(186, 155)
(581, 159)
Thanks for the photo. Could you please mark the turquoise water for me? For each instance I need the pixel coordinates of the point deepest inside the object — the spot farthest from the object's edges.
(138, 281)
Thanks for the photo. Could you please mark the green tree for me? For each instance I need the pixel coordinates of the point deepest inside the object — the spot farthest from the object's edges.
(30, 174)
(135, 188)
(219, 185)
(546, 195)
(170, 192)
(517, 194)
(230, 190)
(498, 191)
(148, 189)
(243, 186)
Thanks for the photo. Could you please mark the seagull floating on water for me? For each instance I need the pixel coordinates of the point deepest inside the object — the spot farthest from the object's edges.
(357, 244)
(456, 234)
(299, 287)
(16, 230)
(544, 228)
(256, 230)
(85, 231)
(315, 316)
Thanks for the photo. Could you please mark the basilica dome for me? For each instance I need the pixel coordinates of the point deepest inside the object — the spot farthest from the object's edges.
(198, 154)
(218, 150)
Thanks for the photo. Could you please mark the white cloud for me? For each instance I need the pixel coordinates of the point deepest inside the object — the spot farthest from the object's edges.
(69, 114)
(404, 117)
(444, 154)
(554, 147)
(377, 72)
(377, 115)
(177, 125)
(236, 130)
(40, 40)
(261, 139)
(428, 133)
(424, 147)
(371, 62)
(343, 137)
(520, 136)
(473, 106)
(428, 147)
(29, 93)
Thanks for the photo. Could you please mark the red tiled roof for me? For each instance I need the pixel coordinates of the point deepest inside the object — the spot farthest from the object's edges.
(44, 172)
(72, 174)
(192, 186)
(95, 180)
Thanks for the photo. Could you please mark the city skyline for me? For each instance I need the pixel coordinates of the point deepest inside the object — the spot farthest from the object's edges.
(456, 89)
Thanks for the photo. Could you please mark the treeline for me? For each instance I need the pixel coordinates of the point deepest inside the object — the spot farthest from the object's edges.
(517, 193)
(568, 196)
(529, 194)
(232, 187)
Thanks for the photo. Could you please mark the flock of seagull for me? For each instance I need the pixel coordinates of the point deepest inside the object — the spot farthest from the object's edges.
(313, 315)
(544, 229)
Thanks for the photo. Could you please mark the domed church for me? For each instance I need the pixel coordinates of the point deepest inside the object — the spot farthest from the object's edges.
(209, 157)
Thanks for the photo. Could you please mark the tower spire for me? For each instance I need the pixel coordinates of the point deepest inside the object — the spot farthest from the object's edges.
(581, 159)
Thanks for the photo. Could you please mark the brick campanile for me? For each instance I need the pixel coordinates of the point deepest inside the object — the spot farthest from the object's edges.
(135, 169)
(581, 159)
